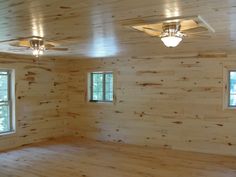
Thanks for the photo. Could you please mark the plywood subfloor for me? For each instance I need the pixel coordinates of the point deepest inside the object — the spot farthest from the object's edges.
(86, 158)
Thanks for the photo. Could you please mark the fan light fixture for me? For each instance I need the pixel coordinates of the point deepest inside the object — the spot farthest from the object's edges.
(37, 45)
(171, 36)
(171, 41)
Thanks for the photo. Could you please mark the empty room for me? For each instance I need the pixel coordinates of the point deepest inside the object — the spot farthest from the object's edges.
(118, 88)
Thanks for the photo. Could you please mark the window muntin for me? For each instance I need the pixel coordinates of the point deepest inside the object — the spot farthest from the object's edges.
(101, 87)
(232, 89)
(5, 102)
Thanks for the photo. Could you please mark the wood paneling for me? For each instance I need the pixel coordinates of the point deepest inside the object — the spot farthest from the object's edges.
(174, 102)
(41, 100)
(82, 158)
(164, 101)
(93, 28)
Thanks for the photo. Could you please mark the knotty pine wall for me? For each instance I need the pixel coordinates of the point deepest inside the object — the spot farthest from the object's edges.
(41, 100)
(172, 102)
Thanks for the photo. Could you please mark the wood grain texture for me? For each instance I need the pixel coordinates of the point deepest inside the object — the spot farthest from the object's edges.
(83, 158)
(41, 100)
(93, 28)
(174, 102)
(167, 101)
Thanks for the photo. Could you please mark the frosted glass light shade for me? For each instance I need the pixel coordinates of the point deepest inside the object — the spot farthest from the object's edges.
(37, 52)
(171, 41)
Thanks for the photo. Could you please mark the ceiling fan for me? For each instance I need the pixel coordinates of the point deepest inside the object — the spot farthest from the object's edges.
(36, 44)
(173, 30)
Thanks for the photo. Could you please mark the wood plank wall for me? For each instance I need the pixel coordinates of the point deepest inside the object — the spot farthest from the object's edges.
(172, 102)
(41, 100)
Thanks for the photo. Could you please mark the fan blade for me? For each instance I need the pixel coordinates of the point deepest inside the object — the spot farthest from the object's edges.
(152, 32)
(153, 29)
(188, 24)
(22, 43)
(196, 30)
(64, 40)
(17, 39)
(11, 40)
(15, 44)
(49, 45)
(57, 49)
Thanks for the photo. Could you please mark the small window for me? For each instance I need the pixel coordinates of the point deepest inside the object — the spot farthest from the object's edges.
(232, 89)
(6, 120)
(101, 87)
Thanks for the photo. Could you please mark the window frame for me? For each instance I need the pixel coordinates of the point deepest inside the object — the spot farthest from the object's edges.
(227, 68)
(90, 87)
(11, 100)
(228, 89)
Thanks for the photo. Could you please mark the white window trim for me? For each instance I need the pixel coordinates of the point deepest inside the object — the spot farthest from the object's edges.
(226, 70)
(11, 93)
(88, 87)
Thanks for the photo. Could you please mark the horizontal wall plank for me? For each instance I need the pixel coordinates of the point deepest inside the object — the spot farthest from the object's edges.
(173, 102)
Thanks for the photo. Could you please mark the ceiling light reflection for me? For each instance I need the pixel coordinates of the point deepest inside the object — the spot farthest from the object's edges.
(104, 42)
(172, 9)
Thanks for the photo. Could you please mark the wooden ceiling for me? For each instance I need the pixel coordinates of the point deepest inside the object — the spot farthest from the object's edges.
(93, 28)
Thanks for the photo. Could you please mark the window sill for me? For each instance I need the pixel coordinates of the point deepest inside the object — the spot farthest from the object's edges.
(101, 102)
(11, 133)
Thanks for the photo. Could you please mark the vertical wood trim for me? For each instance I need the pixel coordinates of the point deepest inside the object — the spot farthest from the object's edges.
(88, 87)
(225, 87)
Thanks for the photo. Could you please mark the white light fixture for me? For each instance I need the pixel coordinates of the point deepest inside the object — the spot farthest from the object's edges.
(37, 52)
(171, 36)
(37, 45)
(171, 41)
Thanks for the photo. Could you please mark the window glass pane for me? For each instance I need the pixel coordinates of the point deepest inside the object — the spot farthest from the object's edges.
(232, 100)
(99, 96)
(3, 87)
(97, 82)
(4, 118)
(232, 88)
(97, 86)
(109, 96)
(109, 87)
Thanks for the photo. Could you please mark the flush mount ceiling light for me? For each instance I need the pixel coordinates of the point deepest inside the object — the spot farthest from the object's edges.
(37, 45)
(171, 35)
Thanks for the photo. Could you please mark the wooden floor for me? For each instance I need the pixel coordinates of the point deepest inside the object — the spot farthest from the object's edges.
(83, 158)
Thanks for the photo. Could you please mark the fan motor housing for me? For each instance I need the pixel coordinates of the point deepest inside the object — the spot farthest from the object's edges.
(37, 43)
(171, 27)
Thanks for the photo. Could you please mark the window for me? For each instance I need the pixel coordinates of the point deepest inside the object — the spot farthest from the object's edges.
(232, 89)
(101, 87)
(6, 120)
